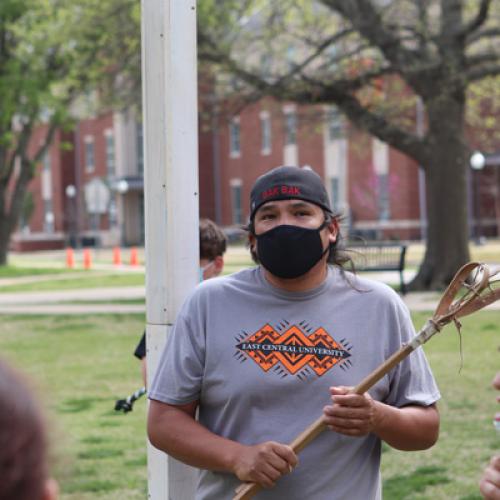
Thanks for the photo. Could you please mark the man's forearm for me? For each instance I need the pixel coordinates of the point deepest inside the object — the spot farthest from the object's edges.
(409, 428)
(168, 428)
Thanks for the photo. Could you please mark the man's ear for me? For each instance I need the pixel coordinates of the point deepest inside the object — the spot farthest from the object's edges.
(333, 228)
(251, 241)
(218, 265)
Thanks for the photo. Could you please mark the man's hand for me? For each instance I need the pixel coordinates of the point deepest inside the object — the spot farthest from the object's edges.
(490, 482)
(264, 463)
(350, 414)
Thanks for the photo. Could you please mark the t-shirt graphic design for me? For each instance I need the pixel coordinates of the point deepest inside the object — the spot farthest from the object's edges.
(293, 349)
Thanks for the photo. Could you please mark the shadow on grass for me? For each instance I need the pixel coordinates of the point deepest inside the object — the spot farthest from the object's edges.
(99, 453)
(141, 461)
(95, 440)
(89, 485)
(77, 405)
(109, 423)
(405, 486)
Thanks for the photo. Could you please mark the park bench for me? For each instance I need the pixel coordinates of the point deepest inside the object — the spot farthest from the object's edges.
(379, 256)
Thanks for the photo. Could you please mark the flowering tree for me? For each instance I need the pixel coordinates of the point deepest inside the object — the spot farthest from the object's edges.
(377, 60)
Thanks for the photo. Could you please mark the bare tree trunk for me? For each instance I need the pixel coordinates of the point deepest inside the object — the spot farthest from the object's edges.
(446, 191)
(4, 241)
(11, 207)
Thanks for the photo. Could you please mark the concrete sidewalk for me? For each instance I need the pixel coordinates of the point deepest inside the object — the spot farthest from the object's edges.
(60, 302)
(66, 301)
(83, 294)
(417, 301)
(73, 309)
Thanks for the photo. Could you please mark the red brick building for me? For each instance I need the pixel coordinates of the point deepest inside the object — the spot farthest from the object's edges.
(89, 188)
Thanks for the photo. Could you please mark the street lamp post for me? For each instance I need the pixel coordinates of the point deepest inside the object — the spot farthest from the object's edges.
(71, 211)
(122, 187)
(477, 162)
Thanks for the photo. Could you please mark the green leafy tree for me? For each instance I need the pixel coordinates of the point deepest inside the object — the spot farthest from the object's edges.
(51, 53)
(376, 61)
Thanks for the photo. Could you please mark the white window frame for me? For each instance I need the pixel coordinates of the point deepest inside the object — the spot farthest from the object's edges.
(110, 153)
(380, 158)
(89, 142)
(266, 133)
(291, 126)
(236, 212)
(334, 124)
(235, 138)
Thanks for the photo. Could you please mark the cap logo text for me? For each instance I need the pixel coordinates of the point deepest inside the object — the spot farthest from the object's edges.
(281, 190)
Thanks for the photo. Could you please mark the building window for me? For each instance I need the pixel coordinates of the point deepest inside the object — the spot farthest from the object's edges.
(265, 129)
(380, 156)
(290, 128)
(113, 212)
(290, 58)
(110, 154)
(332, 54)
(48, 216)
(236, 201)
(140, 149)
(89, 155)
(384, 210)
(335, 193)
(234, 138)
(48, 213)
(335, 124)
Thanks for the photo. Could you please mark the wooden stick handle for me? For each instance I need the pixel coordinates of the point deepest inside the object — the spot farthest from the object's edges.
(247, 490)
(446, 311)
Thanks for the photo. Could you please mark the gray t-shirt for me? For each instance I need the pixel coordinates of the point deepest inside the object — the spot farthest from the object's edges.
(260, 360)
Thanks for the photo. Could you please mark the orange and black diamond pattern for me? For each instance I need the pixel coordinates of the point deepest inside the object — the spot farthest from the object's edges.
(293, 349)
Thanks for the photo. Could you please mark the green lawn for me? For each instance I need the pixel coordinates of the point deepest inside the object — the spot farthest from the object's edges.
(18, 272)
(83, 364)
(451, 469)
(88, 279)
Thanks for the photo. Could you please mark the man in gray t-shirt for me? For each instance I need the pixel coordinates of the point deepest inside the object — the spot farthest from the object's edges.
(263, 352)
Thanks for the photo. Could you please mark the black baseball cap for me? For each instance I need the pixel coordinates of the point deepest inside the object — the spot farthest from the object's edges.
(286, 183)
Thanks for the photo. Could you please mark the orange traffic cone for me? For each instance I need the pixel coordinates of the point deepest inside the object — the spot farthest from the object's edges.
(70, 258)
(117, 259)
(134, 257)
(87, 259)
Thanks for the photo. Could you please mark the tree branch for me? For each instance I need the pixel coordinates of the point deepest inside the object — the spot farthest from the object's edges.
(23, 138)
(367, 21)
(480, 35)
(487, 57)
(365, 119)
(16, 201)
(479, 19)
(480, 73)
(49, 137)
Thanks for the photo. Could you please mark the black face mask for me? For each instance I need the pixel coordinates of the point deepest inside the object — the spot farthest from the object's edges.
(290, 251)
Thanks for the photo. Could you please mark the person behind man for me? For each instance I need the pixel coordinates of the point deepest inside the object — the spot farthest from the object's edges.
(213, 245)
(489, 486)
(263, 352)
(24, 471)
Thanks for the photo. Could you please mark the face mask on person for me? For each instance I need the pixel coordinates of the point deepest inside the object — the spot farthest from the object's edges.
(290, 251)
(201, 270)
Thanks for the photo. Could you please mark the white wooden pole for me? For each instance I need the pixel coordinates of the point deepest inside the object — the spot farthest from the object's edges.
(171, 195)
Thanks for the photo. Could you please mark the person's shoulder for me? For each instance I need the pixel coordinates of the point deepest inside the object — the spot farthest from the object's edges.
(365, 287)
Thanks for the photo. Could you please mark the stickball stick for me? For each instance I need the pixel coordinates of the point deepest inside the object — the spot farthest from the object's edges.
(469, 291)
